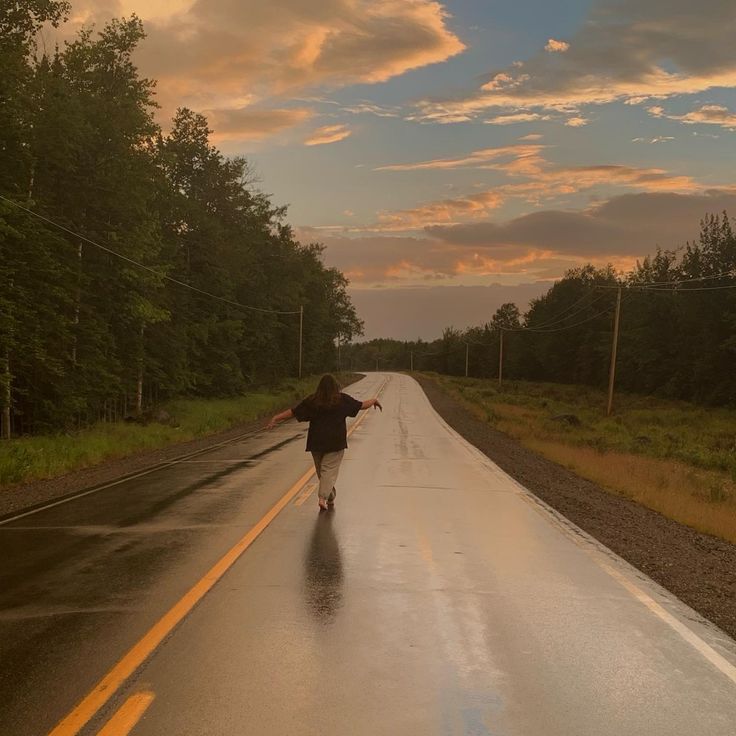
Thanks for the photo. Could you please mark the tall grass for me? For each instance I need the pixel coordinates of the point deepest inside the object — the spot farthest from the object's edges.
(674, 457)
(48, 456)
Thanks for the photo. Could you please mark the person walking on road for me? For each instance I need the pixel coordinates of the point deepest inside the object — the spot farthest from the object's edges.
(326, 410)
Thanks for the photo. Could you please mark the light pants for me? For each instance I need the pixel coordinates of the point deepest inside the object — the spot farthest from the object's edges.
(327, 465)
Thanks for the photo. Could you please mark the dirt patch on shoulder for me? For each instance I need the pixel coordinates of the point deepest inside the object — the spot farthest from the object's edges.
(699, 569)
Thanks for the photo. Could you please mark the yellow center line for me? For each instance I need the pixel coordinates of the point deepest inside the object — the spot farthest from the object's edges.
(137, 655)
(129, 713)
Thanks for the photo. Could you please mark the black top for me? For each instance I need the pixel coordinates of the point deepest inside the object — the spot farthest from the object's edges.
(327, 431)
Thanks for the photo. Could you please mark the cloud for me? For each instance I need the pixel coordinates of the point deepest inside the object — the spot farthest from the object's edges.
(212, 54)
(517, 117)
(704, 115)
(480, 159)
(627, 225)
(328, 134)
(543, 184)
(625, 50)
(401, 259)
(557, 46)
(440, 211)
(247, 124)
(576, 122)
(530, 176)
(532, 137)
(371, 108)
(656, 139)
(530, 248)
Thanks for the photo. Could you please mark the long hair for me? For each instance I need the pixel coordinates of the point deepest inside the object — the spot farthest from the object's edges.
(328, 392)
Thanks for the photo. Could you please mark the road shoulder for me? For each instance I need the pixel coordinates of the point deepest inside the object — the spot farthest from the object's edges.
(27, 496)
(36, 493)
(699, 569)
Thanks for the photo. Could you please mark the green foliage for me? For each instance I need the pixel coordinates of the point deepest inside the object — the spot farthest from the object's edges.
(676, 342)
(85, 335)
(659, 428)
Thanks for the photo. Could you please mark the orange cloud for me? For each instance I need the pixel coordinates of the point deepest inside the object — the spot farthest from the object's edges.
(249, 124)
(213, 54)
(543, 179)
(444, 211)
(517, 117)
(625, 51)
(704, 115)
(538, 245)
(328, 134)
(557, 46)
(481, 159)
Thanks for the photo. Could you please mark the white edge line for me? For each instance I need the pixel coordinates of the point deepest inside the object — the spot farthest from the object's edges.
(687, 634)
(155, 468)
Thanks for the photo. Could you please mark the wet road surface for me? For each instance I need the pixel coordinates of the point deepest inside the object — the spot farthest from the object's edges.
(438, 598)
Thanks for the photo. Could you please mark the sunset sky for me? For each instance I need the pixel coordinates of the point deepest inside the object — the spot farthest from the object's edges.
(452, 156)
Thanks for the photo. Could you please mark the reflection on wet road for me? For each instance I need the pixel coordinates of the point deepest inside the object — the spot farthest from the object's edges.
(439, 599)
(323, 570)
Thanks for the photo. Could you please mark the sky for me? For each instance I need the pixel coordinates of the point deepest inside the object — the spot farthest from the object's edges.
(452, 156)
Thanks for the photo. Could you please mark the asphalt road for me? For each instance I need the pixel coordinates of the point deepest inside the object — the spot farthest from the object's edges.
(438, 598)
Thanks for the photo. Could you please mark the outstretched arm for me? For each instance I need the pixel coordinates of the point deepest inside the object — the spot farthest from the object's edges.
(288, 414)
(371, 402)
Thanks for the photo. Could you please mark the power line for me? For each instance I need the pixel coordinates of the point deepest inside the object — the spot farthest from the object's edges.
(560, 329)
(658, 285)
(697, 288)
(569, 327)
(553, 321)
(147, 268)
(730, 272)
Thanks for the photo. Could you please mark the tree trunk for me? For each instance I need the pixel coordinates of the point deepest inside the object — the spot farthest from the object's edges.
(5, 430)
(139, 391)
(139, 382)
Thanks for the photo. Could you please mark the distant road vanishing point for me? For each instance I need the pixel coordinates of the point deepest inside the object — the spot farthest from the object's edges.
(439, 598)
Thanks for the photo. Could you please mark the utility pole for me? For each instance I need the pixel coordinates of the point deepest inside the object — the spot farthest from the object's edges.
(338, 353)
(301, 337)
(614, 350)
(467, 351)
(500, 357)
(411, 361)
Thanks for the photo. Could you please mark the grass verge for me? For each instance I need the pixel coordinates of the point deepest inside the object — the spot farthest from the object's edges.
(48, 456)
(673, 457)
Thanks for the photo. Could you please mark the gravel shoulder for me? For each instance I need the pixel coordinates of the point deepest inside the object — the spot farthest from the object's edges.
(699, 569)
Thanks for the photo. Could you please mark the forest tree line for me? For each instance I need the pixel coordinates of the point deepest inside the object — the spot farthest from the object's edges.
(85, 334)
(677, 328)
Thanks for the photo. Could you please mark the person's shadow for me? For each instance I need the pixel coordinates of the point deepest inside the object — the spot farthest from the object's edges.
(323, 570)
